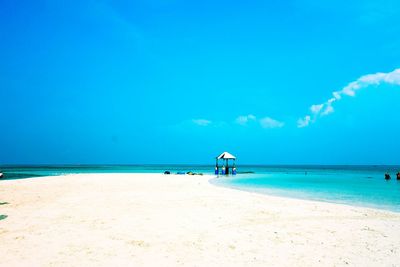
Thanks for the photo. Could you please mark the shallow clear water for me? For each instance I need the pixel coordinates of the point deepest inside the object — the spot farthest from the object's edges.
(354, 185)
(359, 185)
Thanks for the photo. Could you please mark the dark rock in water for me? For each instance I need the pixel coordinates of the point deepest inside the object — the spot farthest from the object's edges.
(16, 176)
(167, 172)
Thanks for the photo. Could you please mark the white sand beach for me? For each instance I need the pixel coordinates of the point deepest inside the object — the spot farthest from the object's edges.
(159, 220)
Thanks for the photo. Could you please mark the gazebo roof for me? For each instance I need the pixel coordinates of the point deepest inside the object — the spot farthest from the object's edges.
(226, 155)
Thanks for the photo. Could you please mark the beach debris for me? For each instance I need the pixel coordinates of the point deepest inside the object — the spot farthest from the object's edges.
(193, 173)
(387, 176)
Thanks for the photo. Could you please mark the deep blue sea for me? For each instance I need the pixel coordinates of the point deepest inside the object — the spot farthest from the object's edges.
(355, 185)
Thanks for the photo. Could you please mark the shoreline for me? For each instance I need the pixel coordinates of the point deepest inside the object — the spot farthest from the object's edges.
(303, 199)
(170, 220)
(211, 177)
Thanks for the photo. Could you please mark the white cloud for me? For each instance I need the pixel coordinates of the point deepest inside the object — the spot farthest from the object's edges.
(303, 122)
(328, 110)
(350, 89)
(330, 101)
(243, 120)
(268, 122)
(251, 117)
(316, 108)
(336, 95)
(201, 122)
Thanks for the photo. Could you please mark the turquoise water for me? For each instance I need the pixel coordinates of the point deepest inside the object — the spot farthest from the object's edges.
(354, 185)
(20, 172)
(359, 185)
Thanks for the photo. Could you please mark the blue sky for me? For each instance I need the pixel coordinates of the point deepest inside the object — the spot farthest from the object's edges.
(160, 81)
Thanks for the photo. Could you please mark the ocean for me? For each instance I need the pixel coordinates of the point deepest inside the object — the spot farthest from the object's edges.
(354, 185)
(363, 186)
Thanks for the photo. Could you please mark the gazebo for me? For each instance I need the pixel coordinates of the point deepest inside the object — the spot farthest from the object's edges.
(226, 156)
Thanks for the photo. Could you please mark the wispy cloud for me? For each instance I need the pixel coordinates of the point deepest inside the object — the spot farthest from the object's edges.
(268, 122)
(201, 122)
(303, 122)
(326, 108)
(243, 120)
